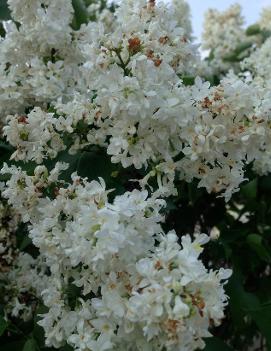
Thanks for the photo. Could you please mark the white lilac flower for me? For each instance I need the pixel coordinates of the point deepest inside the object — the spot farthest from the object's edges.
(156, 294)
(39, 61)
(259, 63)
(265, 18)
(145, 288)
(130, 100)
(223, 33)
(24, 283)
(23, 191)
(33, 136)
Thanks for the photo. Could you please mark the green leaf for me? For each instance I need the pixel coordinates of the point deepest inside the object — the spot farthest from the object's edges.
(194, 192)
(188, 80)
(249, 190)
(2, 30)
(63, 348)
(235, 55)
(265, 183)
(231, 58)
(242, 47)
(30, 345)
(265, 34)
(240, 301)
(235, 291)
(246, 303)
(3, 325)
(256, 244)
(95, 164)
(4, 146)
(25, 242)
(262, 317)
(13, 346)
(66, 348)
(71, 160)
(72, 292)
(4, 10)
(216, 344)
(254, 29)
(80, 13)
(211, 55)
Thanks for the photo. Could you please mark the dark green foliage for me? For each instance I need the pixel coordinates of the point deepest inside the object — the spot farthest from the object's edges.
(239, 53)
(4, 11)
(80, 13)
(3, 325)
(253, 30)
(215, 344)
(187, 80)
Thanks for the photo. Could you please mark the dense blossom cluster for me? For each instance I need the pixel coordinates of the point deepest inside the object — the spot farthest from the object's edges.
(24, 283)
(264, 21)
(131, 100)
(38, 58)
(216, 129)
(109, 275)
(223, 32)
(137, 287)
(258, 64)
